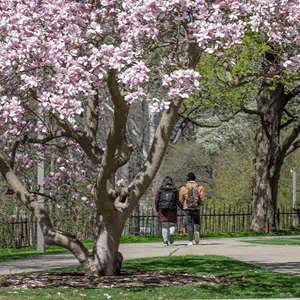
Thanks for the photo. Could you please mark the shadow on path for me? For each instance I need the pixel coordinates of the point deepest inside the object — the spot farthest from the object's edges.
(291, 267)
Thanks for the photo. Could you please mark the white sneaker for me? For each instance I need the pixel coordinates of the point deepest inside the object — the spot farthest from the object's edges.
(197, 237)
(190, 244)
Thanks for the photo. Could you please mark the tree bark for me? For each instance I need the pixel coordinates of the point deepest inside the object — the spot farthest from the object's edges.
(268, 158)
(106, 260)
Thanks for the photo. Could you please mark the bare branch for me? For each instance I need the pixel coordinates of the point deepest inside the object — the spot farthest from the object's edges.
(92, 117)
(43, 195)
(293, 93)
(211, 125)
(293, 148)
(116, 139)
(87, 143)
(123, 155)
(287, 123)
(13, 153)
(287, 146)
(194, 54)
(252, 111)
(47, 139)
(289, 114)
(117, 150)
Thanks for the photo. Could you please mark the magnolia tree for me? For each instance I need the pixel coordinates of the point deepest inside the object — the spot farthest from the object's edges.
(58, 62)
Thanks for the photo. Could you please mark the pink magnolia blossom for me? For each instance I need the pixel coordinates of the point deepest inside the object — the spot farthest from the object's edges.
(182, 83)
(56, 55)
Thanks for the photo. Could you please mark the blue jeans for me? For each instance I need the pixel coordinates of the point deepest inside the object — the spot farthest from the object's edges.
(192, 218)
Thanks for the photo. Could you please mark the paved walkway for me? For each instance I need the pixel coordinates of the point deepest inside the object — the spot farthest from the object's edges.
(285, 259)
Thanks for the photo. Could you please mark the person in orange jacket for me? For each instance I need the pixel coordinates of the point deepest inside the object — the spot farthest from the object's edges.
(191, 196)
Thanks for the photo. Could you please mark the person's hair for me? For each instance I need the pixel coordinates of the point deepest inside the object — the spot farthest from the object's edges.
(167, 184)
(190, 176)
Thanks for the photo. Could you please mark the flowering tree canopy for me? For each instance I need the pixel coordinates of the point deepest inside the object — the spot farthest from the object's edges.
(59, 59)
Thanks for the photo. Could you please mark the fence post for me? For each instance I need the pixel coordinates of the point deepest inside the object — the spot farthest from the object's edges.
(277, 219)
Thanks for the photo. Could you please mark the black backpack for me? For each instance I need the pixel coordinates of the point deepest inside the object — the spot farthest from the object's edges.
(167, 200)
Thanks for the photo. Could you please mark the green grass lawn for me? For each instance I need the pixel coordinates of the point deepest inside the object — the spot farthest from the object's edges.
(285, 241)
(247, 281)
(7, 254)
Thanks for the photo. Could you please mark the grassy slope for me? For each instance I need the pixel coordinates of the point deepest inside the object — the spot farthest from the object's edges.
(285, 241)
(247, 282)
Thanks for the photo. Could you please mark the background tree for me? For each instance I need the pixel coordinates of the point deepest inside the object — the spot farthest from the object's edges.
(277, 70)
(261, 78)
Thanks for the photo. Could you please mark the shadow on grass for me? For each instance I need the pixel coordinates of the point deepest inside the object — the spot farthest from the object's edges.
(287, 266)
(246, 279)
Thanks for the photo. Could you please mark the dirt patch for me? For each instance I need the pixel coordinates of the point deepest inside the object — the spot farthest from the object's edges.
(127, 279)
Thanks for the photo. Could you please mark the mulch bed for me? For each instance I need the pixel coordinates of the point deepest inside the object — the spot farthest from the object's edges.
(126, 280)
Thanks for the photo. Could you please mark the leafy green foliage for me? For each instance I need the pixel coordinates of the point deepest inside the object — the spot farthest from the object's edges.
(233, 173)
(227, 81)
(181, 159)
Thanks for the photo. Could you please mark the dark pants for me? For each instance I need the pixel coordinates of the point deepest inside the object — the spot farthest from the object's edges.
(192, 217)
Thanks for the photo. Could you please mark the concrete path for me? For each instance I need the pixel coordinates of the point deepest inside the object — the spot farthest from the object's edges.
(285, 259)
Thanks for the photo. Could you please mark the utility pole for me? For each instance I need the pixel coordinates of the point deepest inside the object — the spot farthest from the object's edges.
(294, 172)
(40, 183)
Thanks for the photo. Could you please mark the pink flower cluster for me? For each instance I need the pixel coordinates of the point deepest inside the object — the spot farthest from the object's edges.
(70, 172)
(279, 21)
(11, 110)
(55, 56)
(23, 161)
(135, 76)
(182, 83)
(44, 47)
(116, 57)
(218, 25)
(159, 105)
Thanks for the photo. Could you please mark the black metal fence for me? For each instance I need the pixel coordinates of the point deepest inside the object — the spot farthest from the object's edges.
(22, 232)
(18, 233)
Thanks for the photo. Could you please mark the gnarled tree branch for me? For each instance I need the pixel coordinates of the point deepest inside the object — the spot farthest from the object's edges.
(293, 93)
(287, 146)
(86, 142)
(211, 125)
(52, 236)
(293, 148)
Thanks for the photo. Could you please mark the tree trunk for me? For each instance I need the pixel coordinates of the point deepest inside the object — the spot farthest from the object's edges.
(268, 160)
(105, 260)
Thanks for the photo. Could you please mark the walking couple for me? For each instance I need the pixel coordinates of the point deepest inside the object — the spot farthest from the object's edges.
(189, 198)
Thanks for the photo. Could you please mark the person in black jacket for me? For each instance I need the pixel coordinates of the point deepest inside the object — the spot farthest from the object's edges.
(166, 206)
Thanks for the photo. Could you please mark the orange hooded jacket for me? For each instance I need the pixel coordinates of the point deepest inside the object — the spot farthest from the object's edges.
(183, 193)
